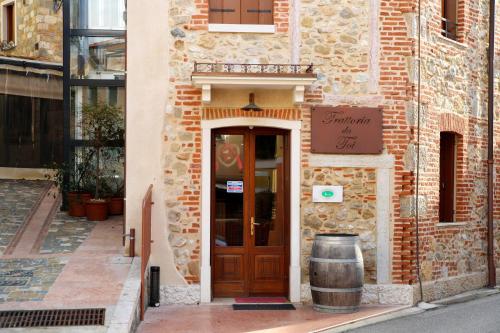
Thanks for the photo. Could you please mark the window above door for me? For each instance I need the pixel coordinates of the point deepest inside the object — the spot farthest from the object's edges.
(241, 16)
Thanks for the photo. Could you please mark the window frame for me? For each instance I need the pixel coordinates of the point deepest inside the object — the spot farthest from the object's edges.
(5, 22)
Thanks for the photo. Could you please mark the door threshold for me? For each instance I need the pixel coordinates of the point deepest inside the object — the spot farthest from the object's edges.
(222, 301)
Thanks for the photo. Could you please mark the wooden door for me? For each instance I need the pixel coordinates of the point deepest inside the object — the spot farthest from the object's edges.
(250, 229)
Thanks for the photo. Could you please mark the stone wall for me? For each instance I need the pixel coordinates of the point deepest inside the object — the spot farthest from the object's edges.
(337, 40)
(39, 31)
(335, 37)
(356, 214)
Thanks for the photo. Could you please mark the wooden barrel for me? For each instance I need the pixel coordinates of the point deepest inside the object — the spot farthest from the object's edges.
(336, 273)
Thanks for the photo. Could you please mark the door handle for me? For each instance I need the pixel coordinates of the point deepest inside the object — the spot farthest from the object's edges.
(252, 226)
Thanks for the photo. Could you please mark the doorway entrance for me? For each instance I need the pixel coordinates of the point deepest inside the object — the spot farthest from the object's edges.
(250, 212)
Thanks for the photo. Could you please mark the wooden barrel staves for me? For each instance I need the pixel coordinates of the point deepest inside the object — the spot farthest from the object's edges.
(336, 273)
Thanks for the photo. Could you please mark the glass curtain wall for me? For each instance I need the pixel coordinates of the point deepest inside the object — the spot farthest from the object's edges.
(94, 78)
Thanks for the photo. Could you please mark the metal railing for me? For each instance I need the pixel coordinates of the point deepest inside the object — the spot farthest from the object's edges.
(147, 203)
(294, 69)
(449, 28)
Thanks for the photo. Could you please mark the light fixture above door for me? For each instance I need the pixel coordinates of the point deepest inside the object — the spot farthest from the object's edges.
(251, 106)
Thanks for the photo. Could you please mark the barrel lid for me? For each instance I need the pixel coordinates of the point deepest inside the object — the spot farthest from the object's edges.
(336, 236)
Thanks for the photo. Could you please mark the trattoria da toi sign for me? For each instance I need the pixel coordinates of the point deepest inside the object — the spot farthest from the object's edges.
(346, 130)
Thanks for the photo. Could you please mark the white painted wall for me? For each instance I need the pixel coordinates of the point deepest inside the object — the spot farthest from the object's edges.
(147, 93)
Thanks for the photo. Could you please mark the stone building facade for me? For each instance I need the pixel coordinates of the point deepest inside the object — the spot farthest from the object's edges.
(365, 54)
(39, 31)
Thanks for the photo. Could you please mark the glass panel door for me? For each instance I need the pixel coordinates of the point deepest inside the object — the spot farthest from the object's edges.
(229, 185)
(268, 190)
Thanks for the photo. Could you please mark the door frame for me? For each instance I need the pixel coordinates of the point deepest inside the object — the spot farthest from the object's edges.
(247, 250)
(294, 204)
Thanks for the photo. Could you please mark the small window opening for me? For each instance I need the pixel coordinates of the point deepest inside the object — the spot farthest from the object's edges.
(449, 20)
(447, 167)
(9, 22)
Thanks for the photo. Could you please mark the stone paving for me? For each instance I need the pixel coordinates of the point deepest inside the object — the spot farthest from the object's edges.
(17, 199)
(66, 234)
(71, 262)
(28, 279)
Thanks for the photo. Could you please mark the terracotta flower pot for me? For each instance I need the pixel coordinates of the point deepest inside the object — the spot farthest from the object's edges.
(82, 197)
(97, 210)
(115, 206)
(76, 209)
(76, 203)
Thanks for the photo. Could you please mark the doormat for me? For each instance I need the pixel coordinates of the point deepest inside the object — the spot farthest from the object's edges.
(267, 306)
(47, 318)
(260, 300)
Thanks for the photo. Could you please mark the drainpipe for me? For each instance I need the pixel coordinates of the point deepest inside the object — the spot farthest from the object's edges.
(417, 182)
(491, 72)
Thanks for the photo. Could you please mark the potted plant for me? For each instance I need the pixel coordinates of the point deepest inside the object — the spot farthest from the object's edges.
(115, 188)
(102, 129)
(76, 190)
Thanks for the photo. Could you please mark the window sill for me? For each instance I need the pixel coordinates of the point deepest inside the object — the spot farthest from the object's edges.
(451, 224)
(8, 47)
(245, 28)
(451, 42)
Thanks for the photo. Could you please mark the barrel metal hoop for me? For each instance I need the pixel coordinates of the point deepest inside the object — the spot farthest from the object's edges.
(346, 309)
(342, 261)
(336, 290)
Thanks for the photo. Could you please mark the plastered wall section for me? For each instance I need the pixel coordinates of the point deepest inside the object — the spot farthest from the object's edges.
(147, 97)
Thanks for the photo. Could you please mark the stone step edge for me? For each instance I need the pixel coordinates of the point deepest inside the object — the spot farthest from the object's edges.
(46, 225)
(15, 240)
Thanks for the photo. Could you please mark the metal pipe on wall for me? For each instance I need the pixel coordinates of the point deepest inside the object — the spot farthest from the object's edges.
(491, 97)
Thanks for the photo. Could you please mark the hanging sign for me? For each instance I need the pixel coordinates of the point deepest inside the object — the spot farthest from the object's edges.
(346, 130)
(323, 193)
(234, 186)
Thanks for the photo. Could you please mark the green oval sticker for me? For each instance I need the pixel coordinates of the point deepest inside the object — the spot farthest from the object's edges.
(327, 194)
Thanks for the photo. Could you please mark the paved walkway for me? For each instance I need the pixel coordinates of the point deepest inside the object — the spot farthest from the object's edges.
(49, 260)
(90, 276)
(66, 234)
(222, 318)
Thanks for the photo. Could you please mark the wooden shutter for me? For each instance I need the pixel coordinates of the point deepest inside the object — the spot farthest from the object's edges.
(447, 177)
(224, 11)
(249, 12)
(215, 11)
(266, 11)
(257, 11)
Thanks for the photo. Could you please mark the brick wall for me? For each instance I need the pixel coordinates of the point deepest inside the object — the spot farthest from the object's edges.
(454, 97)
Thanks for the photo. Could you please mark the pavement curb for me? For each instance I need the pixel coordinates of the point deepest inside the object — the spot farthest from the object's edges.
(374, 319)
(414, 310)
(126, 315)
(468, 296)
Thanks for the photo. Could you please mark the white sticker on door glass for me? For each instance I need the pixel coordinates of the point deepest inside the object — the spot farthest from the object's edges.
(234, 186)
